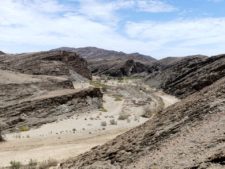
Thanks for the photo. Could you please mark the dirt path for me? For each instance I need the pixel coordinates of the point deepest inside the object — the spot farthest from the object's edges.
(167, 99)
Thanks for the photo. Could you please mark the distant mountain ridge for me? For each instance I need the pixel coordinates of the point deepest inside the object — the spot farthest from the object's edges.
(93, 53)
(112, 63)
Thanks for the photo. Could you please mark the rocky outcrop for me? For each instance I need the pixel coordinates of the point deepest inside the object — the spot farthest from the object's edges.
(2, 53)
(131, 67)
(55, 63)
(198, 76)
(49, 107)
(189, 75)
(37, 88)
(189, 134)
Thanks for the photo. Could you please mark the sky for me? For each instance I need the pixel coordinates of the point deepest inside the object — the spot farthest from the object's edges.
(158, 28)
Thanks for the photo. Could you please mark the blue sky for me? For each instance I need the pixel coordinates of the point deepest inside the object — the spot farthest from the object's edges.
(158, 28)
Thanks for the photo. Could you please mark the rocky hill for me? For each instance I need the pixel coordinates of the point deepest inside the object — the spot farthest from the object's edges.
(2, 53)
(54, 63)
(189, 134)
(38, 88)
(112, 63)
(188, 75)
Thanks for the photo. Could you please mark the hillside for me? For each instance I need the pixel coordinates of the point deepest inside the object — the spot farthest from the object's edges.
(188, 75)
(189, 134)
(53, 63)
(39, 88)
(112, 63)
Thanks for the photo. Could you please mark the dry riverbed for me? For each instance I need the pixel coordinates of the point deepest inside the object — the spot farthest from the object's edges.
(70, 137)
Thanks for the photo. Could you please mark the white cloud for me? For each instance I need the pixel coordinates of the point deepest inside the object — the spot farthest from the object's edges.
(181, 37)
(28, 25)
(106, 10)
(154, 6)
(27, 29)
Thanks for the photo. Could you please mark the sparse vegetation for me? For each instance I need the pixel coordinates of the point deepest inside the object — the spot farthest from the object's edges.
(98, 84)
(47, 164)
(24, 128)
(113, 122)
(32, 164)
(15, 165)
(123, 116)
(149, 111)
(118, 97)
(103, 109)
(103, 123)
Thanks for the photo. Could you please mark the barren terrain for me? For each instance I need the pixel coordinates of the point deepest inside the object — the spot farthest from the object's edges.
(69, 137)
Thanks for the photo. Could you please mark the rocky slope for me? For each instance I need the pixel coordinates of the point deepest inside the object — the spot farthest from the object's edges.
(189, 134)
(49, 108)
(53, 63)
(112, 63)
(38, 88)
(2, 53)
(188, 75)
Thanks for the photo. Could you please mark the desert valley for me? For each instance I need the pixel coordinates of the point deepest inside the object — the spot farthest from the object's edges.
(91, 108)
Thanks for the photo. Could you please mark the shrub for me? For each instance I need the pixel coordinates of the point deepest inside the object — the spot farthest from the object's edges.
(47, 164)
(15, 164)
(123, 116)
(24, 128)
(113, 122)
(32, 164)
(103, 109)
(103, 123)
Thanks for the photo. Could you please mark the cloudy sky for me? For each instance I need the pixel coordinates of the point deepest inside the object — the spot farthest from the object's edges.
(158, 28)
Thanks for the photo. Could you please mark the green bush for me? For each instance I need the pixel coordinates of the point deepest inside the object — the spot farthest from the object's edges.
(15, 165)
(24, 128)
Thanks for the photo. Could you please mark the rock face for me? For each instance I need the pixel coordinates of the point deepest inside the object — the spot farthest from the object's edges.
(38, 88)
(49, 108)
(112, 63)
(189, 134)
(2, 53)
(188, 75)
